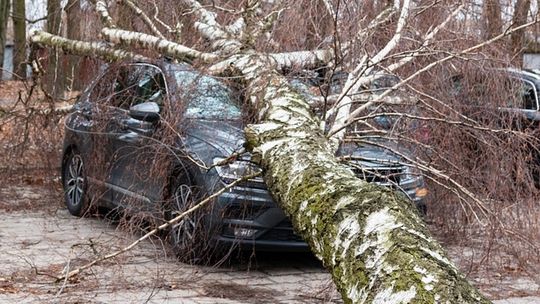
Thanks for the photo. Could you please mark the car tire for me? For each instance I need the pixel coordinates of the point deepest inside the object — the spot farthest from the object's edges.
(75, 183)
(191, 238)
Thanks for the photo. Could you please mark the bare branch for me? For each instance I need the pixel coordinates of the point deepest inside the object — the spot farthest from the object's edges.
(102, 9)
(427, 39)
(353, 82)
(144, 17)
(155, 230)
(428, 67)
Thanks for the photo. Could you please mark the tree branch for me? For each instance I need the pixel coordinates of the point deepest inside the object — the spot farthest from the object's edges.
(144, 18)
(82, 48)
(155, 230)
(163, 46)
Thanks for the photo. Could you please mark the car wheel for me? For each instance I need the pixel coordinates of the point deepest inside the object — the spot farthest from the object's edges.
(189, 237)
(75, 183)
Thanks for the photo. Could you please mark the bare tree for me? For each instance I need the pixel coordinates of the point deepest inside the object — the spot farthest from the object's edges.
(492, 18)
(521, 9)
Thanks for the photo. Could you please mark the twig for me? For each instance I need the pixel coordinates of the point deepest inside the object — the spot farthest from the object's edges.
(155, 230)
(144, 18)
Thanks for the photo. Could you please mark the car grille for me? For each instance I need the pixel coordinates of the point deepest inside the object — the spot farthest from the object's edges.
(282, 232)
(388, 176)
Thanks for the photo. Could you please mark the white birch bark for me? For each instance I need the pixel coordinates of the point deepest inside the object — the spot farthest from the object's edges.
(82, 48)
(163, 46)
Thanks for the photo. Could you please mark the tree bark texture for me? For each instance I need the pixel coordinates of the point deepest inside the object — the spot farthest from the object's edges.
(19, 47)
(55, 78)
(4, 14)
(70, 63)
(82, 48)
(492, 18)
(521, 8)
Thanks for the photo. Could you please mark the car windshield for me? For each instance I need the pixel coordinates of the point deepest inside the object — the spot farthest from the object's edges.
(208, 97)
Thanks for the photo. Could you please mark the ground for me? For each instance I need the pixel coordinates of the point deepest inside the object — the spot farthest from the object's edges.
(39, 238)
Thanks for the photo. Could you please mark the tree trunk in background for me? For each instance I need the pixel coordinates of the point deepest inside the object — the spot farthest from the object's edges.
(71, 62)
(19, 47)
(521, 9)
(492, 18)
(320, 24)
(4, 14)
(55, 78)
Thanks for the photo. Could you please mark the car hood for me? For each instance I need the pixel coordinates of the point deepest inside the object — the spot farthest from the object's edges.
(227, 137)
(370, 155)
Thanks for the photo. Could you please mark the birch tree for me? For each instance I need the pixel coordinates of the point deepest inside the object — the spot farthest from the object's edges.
(370, 238)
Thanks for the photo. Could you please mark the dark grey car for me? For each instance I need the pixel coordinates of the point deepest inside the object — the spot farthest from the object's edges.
(146, 137)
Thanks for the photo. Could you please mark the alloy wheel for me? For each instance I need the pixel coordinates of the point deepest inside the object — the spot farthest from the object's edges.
(183, 232)
(74, 186)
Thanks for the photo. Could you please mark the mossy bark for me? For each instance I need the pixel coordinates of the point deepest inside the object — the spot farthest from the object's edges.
(371, 239)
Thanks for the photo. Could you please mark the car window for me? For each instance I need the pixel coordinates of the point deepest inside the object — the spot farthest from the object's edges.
(129, 85)
(522, 94)
(528, 96)
(138, 83)
(206, 97)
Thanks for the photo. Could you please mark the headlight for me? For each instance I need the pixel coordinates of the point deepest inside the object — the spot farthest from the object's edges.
(236, 169)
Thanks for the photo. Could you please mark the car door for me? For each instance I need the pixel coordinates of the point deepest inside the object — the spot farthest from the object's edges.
(136, 177)
(94, 113)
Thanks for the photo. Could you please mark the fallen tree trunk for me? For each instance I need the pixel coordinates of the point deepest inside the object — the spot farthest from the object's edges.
(372, 240)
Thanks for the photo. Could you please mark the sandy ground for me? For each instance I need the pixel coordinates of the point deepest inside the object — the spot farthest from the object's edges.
(39, 240)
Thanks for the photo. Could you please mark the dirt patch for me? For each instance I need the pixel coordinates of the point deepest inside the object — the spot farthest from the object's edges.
(244, 293)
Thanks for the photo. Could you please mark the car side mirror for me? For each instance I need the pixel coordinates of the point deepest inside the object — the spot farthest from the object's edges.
(146, 111)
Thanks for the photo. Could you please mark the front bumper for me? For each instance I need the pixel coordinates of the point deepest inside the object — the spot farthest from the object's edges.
(249, 218)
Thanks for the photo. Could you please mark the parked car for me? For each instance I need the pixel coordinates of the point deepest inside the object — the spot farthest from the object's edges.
(522, 86)
(507, 99)
(146, 138)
